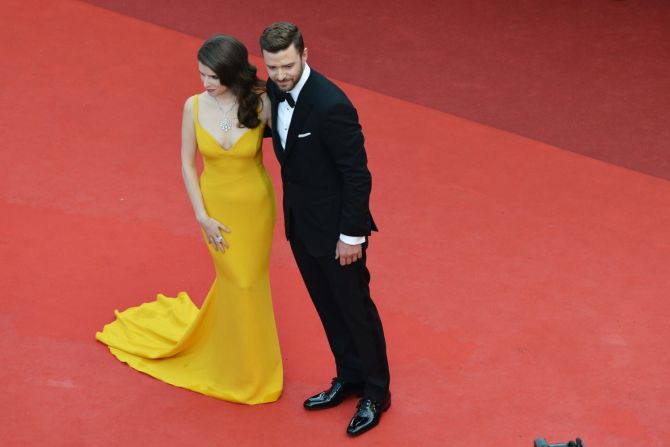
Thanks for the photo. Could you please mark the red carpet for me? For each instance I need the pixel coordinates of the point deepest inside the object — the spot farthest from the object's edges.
(591, 77)
(523, 288)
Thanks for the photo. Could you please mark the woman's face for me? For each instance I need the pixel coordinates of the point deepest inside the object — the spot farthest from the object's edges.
(211, 81)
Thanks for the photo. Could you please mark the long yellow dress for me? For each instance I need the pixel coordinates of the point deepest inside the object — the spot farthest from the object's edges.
(229, 348)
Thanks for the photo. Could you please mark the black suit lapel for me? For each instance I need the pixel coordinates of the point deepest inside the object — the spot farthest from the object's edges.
(302, 110)
(303, 107)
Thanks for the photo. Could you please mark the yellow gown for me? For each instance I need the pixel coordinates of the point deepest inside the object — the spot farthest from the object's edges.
(228, 348)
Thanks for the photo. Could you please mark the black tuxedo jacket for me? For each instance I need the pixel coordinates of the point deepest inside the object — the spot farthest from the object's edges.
(326, 181)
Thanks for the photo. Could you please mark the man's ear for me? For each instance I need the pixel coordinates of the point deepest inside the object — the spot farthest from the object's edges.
(304, 55)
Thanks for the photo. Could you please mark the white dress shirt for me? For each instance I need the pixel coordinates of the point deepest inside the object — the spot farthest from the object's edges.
(284, 115)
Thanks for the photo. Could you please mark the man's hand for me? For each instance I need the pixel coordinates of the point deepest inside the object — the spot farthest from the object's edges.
(348, 254)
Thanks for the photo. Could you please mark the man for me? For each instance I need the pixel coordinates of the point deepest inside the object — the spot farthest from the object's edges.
(326, 182)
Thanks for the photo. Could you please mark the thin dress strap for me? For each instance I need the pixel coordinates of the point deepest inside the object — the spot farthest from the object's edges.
(195, 110)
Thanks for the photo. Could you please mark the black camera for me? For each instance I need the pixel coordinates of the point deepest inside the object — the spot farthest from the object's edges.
(543, 443)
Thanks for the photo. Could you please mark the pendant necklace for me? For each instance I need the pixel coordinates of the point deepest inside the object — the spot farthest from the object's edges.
(225, 123)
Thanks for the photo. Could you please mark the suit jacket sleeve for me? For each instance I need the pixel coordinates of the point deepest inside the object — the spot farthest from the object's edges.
(345, 142)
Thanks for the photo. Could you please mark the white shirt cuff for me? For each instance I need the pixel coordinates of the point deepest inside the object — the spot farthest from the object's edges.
(352, 240)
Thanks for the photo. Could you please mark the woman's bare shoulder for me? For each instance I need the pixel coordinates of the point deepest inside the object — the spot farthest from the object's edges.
(265, 99)
(264, 107)
(190, 102)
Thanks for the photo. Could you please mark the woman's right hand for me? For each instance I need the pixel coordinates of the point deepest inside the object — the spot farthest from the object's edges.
(213, 229)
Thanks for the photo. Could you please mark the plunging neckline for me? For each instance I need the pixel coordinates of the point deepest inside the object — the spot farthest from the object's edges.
(223, 148)
(210, 135)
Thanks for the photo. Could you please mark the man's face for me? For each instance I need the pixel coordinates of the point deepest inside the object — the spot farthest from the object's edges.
(285, 67)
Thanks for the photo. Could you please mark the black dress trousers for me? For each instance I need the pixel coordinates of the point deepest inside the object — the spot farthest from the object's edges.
(341, 296)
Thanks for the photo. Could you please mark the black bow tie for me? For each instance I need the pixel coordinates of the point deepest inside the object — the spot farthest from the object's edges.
(286, 96)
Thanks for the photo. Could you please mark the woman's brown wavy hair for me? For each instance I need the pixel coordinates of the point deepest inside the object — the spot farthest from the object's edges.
(228, 58)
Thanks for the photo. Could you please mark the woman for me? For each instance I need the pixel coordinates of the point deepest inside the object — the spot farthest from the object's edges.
(229, 348)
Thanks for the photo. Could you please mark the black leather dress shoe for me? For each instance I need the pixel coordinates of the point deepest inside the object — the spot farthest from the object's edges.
(368, 414)
(334, 395)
